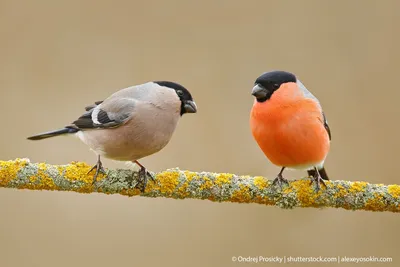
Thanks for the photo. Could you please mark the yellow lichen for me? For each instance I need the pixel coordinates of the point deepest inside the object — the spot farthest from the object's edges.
(190, 175)
(357, 187)
(41, 180)
(9, 170)
(341, 192)
(78, 171)
(130, 192)
(223, 178)
(242, 195)
(207, 184)
(32, 179)
(46, 182)
(260, 182)
(263, 200)
(306, 193)
(394, 191)
(168, 182)
(151, 185)
(376, 203)
(183, 192)
(287, 190)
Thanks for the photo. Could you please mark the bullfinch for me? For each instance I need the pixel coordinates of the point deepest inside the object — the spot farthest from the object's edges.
(289, 125)
(132, 123)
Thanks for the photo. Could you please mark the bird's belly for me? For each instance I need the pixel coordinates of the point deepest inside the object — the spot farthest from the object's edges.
(294, 143)
(129, 142)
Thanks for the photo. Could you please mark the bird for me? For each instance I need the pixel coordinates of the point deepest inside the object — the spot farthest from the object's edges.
(289, 125)
(130, 124)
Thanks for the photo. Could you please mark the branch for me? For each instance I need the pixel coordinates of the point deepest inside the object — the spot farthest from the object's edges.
(218, 187)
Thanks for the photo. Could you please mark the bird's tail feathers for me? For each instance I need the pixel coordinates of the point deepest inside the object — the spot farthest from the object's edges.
(321, 171)
(66, 130)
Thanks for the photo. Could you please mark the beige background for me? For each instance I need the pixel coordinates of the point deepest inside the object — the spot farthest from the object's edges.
(58, 56)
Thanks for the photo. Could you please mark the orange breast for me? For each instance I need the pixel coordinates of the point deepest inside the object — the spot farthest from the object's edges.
(290, 130)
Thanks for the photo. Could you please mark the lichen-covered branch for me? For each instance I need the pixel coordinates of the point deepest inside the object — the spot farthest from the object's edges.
(178, 184)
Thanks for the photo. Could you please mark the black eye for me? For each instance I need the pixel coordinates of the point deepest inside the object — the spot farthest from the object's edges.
(276, 86)
(179, 92)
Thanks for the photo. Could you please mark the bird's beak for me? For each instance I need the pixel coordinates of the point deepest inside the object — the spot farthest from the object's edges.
(190, 106)
(259, 91)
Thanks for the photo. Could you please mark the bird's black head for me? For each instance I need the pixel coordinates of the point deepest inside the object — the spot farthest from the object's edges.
(269, 82)
(187, 103)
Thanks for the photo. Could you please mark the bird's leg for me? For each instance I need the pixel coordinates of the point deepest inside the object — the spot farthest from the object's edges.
(317, 178)
(99, 169)
(143, 174)
(279, 179)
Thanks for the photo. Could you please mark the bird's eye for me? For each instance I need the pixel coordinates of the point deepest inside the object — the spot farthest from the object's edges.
(275, 85)
(179, 92)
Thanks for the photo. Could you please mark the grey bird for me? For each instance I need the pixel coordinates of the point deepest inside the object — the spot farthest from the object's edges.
(132, 123)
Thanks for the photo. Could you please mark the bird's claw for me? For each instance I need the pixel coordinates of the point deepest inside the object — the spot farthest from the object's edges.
(318, 180)
(280, 180)
(99, 169)
(142, 179)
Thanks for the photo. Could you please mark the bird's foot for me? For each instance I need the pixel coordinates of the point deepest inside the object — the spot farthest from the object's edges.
(318, 180)
(99, 169)
(280, 180)
(142, 178)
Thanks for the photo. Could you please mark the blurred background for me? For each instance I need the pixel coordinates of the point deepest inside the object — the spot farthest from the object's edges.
(59, 56)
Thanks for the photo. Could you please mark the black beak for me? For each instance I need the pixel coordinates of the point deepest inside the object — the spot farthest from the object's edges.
(259, 91)
(190, 106)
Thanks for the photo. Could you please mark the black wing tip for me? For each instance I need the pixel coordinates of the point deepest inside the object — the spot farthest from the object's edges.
(41, 136)
(35, 137)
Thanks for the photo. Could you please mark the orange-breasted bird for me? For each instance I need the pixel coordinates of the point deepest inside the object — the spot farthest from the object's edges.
(289, 125)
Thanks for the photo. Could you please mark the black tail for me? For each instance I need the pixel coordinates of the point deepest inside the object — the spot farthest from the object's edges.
(322, 172)
(53, 133)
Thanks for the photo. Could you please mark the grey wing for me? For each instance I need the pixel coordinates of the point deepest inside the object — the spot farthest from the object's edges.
(305, 91)
(308, 94)
(110, 113)
(88, 108)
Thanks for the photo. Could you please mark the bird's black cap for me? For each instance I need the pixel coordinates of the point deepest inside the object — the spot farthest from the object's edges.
(270, 82)
(275, 77)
